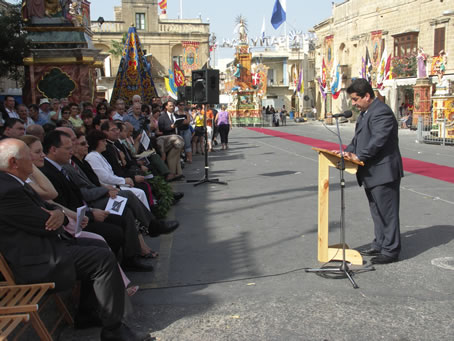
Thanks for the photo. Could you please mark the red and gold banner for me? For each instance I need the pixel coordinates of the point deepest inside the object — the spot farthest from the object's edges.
(376, 37)
(329, 52)
(190, 55)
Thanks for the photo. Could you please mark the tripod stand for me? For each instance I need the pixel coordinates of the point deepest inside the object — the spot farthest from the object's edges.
(206, 179)
(343, 270)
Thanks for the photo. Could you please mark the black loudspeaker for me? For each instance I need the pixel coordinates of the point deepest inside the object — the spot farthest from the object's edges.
(180, 93)
(205, 86)
(184, 93)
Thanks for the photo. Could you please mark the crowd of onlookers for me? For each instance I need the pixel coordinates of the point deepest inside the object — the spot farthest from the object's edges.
(58, 156)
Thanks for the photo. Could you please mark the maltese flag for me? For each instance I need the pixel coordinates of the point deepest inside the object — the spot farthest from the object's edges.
(279, 13)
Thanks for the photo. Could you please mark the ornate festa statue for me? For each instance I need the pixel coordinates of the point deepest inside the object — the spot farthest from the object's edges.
(421, 59)
(241, 29)
(45, 8)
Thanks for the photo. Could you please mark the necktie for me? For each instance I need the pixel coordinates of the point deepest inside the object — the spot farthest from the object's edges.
(65, 173)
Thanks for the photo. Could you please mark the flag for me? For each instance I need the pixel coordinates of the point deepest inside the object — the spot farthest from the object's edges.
(169, 89)
(336, 81)
(279, 13)
(321, 88)
(383, 72)
(179, 76)
(368, 66)
(262, 33)
(300, 85)
(362, 71)
(323, 73)
(163, 6)
(170, 85)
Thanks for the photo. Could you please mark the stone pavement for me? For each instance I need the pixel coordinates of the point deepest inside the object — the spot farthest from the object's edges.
(234, 270)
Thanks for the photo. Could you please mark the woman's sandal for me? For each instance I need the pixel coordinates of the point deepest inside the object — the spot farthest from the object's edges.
(132, 290)
(152, 254)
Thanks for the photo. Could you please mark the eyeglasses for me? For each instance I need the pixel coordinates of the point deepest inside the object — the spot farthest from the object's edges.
(65, 112)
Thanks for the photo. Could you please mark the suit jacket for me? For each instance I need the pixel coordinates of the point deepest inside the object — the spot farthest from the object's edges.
(110, 154)
(90, 192)
(376, 143)
(165, 123)
(69, 194)
(33, 253)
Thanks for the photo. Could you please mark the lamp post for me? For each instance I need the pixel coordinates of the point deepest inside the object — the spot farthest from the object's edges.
(212, 42)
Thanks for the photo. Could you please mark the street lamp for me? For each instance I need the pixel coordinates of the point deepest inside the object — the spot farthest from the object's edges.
(212, 42)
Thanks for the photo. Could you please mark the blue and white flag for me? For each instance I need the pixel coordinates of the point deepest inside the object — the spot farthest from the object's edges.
(279, 13)
(262, 33)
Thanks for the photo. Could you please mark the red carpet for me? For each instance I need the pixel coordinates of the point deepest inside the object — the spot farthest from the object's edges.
(431, 170)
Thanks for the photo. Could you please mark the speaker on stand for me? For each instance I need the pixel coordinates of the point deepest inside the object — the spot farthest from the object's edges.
(205, 90)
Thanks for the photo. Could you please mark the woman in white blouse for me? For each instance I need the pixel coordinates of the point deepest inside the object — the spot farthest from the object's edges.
(97, 144)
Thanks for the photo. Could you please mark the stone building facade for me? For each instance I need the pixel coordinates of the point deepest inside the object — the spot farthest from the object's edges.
(164, 40)
(400, 26)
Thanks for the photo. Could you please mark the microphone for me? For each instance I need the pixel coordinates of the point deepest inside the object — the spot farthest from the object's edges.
(345, 114)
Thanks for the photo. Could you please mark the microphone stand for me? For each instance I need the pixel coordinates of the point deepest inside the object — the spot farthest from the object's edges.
(206, 179)
(344, 269)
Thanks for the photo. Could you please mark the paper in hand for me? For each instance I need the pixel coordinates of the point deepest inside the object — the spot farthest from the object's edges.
(145, 140)
(117, 205)
(179, 122)
(80, 217)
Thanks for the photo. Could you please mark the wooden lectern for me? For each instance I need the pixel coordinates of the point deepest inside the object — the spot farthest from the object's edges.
(327, 159)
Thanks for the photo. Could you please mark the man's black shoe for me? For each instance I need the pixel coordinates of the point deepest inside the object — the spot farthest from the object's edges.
(87, 320)
(369, 252)
(136, 264)
(177, 195)
(123, 333)
(158, 227)
(383, 259)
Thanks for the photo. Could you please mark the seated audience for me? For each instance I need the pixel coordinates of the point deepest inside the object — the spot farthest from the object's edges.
(41, 184)
(48, 253)
(58, 149)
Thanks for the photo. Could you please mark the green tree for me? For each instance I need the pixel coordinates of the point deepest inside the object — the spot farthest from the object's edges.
(13, 40)
(117, 47)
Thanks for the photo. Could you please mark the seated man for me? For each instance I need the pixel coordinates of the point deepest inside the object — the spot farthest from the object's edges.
(14, 127)
(38, 250)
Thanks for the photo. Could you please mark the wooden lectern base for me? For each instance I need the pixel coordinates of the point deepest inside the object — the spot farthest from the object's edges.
(327, 253)
(351, 256)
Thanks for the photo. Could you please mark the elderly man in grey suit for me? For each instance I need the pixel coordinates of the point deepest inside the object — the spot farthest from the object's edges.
(376, 143)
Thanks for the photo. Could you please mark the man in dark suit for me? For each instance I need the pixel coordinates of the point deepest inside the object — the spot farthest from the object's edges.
(376, 143)
(167, 119)
(38, 250)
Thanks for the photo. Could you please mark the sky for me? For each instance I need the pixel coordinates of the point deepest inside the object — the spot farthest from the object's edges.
(301, 15)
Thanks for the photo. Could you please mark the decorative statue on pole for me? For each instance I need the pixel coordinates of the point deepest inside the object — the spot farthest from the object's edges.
(421, 60)
(70, 10)
(241, 29)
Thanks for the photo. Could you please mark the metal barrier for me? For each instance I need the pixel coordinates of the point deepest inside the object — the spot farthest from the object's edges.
(433, 131)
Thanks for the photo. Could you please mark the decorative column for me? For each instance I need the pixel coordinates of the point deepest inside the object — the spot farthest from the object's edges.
(422, 101)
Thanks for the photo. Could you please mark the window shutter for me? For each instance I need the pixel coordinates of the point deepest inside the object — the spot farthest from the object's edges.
(439, 42)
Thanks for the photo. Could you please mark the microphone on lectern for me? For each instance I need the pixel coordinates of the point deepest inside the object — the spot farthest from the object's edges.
(345, 114)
